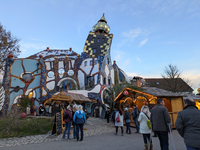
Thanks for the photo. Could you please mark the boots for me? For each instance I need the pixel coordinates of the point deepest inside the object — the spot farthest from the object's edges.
(151, 146)
(146, 146)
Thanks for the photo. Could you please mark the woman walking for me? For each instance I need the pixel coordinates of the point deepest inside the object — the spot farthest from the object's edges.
(119, 121)
(68, 121)
(79, 119)
(127, 120)
(144, 129)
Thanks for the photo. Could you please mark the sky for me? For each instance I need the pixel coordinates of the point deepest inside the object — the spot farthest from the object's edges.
(148, 34)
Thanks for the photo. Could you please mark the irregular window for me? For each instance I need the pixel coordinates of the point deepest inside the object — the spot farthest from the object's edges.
(61, 71)
(50, 74)
(91, 62)
(27, 77)
(85, 63)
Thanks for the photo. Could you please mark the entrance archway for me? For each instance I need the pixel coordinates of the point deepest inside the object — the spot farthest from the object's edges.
(67, 84)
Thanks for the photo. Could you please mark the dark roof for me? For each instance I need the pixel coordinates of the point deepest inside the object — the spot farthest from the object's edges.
(160, 92)
(162, 83)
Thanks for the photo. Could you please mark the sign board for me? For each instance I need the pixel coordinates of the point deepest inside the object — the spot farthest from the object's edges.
(57, 125)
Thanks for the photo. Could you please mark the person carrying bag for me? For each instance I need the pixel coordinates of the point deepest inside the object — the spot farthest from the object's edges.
(79, 119)
(119, 121)
(144, 128)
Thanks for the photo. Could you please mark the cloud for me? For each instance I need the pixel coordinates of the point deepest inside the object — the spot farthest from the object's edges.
(143, 42)
(138, 59)
(27, 48)
(172, 42)
(132, 74)
(133, 33)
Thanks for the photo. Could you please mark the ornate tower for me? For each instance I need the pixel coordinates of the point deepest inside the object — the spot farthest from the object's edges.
(99, 41)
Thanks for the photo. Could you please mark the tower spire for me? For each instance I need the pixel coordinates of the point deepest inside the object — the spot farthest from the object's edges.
(103, 19)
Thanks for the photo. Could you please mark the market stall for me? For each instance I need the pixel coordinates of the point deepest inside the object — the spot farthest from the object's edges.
(148, 96)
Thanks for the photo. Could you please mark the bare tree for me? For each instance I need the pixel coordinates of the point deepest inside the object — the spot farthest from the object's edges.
(174, 81)
(8, 45)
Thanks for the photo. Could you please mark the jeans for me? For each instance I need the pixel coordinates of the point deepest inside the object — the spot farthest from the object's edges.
(67, 129)
(77, 131)
(164, 140)
(128, 129)
(74, 131)
(191, 148)
(136, 125)
(145, 137)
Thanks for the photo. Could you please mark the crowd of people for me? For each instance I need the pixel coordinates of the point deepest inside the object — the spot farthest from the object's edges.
(157, 120)
(147, 120)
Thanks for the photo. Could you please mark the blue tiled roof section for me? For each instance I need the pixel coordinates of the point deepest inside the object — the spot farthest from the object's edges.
(82, 57)
(100, 59)
(121, 76)
(95, 96)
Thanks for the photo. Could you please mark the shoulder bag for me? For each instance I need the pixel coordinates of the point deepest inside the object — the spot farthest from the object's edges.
(118, 118)
(148, 121)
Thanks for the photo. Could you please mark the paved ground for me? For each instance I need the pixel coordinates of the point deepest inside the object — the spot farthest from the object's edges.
(99, 135)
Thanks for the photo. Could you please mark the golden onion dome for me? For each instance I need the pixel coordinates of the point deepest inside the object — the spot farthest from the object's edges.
(102, 25)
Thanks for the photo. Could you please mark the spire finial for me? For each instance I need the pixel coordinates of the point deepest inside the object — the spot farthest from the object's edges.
(103, 19)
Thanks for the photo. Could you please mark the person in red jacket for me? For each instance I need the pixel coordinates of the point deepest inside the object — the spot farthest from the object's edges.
(67, 115)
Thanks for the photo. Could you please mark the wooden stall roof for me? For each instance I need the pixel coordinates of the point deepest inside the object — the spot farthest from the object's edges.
(160, 92)
(150, 91)
(66, 96)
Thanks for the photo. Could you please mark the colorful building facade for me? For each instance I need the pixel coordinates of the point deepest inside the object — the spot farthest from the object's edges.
(41, 75)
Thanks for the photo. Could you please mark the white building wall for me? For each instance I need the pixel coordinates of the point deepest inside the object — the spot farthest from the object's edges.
(112, 76)
(50, 85)
(88, 67)
(48, 67)
(81, 79)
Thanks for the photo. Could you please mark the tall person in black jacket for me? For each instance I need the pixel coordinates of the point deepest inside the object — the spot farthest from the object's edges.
(160, 119)
(188, 125)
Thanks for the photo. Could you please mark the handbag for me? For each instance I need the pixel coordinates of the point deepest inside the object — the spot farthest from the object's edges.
(118, 118)
(148, 122)
(128, 120)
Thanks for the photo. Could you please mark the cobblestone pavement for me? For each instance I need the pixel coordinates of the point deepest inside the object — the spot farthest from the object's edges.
(95, 126)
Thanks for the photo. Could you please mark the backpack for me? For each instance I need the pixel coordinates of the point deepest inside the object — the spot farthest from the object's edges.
(65, 115)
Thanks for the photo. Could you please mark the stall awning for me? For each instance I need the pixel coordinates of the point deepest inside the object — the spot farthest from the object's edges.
(150, 92)
(69, 97)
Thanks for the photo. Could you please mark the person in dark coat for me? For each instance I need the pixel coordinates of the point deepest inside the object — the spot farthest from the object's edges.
(188, 125)
(41, 110)
(135, 115)
(107, 115)
(73, 123)
(113, 115)
(160, 119)
(127, 121)
(68, 121)
(86, 114)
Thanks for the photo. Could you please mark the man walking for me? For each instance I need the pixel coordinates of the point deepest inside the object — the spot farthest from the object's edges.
(160, 119)
(188, 125)
(135, 115)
